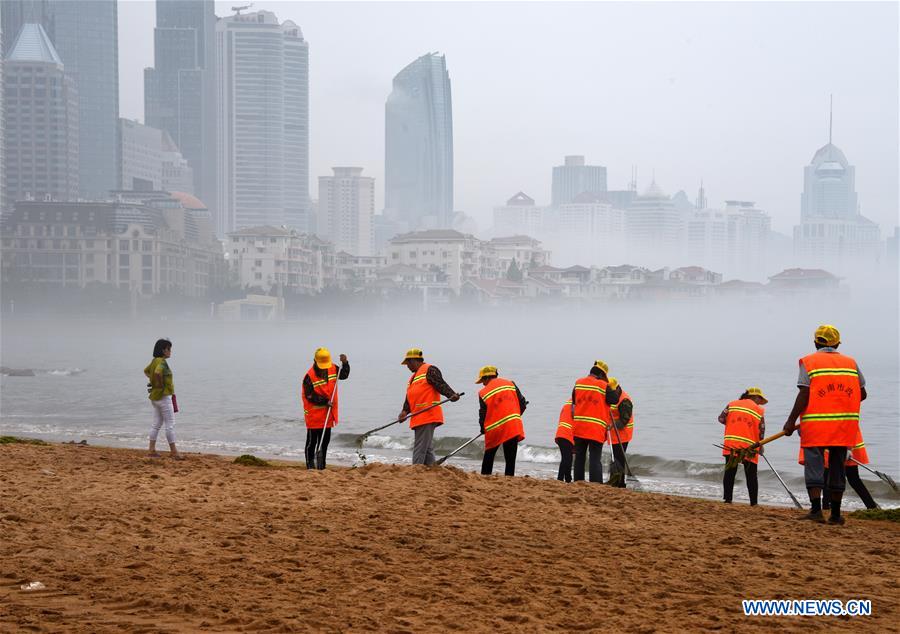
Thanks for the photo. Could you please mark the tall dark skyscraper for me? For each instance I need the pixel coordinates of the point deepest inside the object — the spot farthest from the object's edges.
(419, 146)
(85, 34)
(179, 91)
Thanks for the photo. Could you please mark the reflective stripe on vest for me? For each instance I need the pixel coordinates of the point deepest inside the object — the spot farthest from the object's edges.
(565, 428)
(591, 414)
(315, 415)
(742, 426)
(831, 418)
(503, 416)
(626, 434)
(421, 394)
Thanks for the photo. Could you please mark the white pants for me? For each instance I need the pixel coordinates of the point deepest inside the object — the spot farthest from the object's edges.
(163, 414)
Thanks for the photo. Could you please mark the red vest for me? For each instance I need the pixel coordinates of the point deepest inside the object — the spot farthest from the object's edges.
(832, 417)
(617, 436)
(503, 420)
(565, 427)
(315, 414)
(590, 411)
(419, 395)
(742, 425)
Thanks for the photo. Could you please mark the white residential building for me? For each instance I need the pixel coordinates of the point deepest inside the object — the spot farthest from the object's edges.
(456, 255)
(592, 230)
(346, 208)
(140, 156)
(526, 251)
(268, 257)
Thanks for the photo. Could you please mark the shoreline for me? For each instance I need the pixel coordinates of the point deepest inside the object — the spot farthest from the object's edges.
(122, 541)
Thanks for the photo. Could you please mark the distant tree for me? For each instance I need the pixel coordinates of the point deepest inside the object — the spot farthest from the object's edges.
(514, 273)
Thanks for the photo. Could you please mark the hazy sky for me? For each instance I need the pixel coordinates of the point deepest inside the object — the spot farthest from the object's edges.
(733, 93)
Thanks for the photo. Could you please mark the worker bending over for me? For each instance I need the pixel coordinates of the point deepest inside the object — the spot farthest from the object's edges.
(621, 432)
(500, 408)
(423, 395)
(745, 425)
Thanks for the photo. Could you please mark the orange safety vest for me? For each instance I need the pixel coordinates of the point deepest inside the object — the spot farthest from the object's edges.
(742, 425)
(503, 420)
(315, 414)
(624, 435)
(419, 395)
(589, 409)
(857, 452)
(565, 427)
(832, 417)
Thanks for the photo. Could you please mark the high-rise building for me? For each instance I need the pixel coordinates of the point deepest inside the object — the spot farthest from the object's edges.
(85, 33)
(832, 232)
(140, 153)
(574, 178)
(180, 89)
(14, 14)
(418, 168)
(593, 229)
(177, 175)
(41, 120)
(2, 125)
(346, 209)
(263, 122)
(519, 216)
(736, 240)
(654, 229)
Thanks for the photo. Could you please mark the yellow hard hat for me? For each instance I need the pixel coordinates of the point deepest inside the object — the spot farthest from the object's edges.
(827, 335)
(755, 391)
(613, 382)
(412, 353)
(488, 370)
(602, 365)
(322, 358)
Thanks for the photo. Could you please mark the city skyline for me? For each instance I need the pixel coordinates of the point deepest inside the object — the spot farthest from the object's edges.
(683, 122)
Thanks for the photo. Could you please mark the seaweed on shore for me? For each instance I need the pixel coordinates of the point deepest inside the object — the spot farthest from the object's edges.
(15, 440)
(251, 461)
(888, 515)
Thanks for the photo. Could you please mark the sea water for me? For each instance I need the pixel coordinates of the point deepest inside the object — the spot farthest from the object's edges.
(238, 384)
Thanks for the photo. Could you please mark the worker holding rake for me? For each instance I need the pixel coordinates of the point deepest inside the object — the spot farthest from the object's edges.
(745, 425)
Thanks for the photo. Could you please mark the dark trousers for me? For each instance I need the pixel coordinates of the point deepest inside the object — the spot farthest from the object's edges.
(510, 447)
(617, 468)
(595, 468)
(856, 483)
(749, 474)
(316, 460)
(566, 450)
(818, 477)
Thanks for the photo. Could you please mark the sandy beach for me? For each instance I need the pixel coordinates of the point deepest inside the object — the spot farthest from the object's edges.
(125, 542)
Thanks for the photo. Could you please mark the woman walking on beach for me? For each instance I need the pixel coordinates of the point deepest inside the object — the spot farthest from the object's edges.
(162, 394)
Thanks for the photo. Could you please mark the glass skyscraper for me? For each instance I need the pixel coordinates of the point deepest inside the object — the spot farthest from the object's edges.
(576, 178)
(263, 119)
(85, 34)
(179, 91)
(419, 146)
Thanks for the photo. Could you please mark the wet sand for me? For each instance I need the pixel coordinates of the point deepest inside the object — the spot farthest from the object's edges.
(123, 542)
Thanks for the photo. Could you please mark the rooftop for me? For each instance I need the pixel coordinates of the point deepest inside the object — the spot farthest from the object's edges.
(33, 45)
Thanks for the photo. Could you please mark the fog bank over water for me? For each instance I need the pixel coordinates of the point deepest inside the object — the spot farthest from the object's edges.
(238, 383)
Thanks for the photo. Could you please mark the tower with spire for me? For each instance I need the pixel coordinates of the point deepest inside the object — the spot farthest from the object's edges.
(832, 231)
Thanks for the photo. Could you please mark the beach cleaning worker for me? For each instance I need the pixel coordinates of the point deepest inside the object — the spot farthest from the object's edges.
(320, 404)
(859, 454)
(745, 425)
(830, 390)
(591, 419)
(565, 440)
(500, 409)
(621, 432)
(425, 388)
